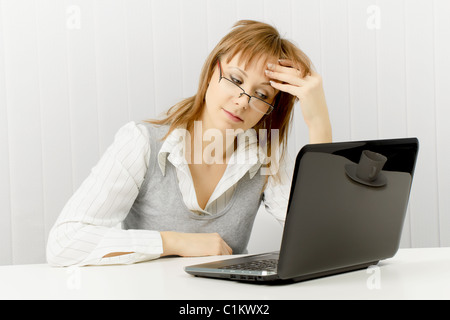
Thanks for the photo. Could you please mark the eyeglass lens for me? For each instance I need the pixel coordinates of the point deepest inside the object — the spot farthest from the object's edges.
(235, 90)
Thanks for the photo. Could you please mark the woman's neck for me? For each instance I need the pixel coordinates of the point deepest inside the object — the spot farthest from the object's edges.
(209, 145)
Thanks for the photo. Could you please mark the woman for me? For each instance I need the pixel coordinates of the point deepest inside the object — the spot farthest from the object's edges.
(173, 190)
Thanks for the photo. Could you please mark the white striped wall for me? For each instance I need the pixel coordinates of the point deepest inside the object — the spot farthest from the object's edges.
(73, 72)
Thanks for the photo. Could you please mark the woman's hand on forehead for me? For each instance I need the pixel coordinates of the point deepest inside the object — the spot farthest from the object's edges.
(308, 89)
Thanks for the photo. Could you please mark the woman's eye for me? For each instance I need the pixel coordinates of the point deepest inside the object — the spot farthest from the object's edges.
(236, 81)
(261, 95)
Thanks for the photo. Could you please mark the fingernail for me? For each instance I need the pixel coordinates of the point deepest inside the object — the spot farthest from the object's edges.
(270, 66)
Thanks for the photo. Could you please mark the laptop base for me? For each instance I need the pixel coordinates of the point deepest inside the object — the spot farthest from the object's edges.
(216, 270)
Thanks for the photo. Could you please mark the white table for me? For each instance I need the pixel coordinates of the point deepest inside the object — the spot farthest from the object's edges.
(411, 274)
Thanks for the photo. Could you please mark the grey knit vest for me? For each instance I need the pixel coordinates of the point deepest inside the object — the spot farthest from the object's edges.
(159, 205)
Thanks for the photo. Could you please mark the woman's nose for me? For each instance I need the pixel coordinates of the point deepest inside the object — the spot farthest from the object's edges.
(243, 99)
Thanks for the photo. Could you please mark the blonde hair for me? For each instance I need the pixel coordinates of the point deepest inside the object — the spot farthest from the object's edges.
(252, 40)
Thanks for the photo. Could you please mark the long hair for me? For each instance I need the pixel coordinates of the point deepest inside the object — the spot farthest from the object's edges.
(252, 40)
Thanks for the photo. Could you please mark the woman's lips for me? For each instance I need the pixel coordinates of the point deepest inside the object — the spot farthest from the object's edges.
(232, 116)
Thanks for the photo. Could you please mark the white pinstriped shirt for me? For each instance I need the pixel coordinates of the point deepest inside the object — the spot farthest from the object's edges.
(87, 228)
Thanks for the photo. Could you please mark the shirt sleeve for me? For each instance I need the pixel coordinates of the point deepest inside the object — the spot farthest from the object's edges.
(276, 194)
(88, 227)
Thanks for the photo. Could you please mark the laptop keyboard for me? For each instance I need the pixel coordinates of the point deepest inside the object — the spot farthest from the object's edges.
(267, 265)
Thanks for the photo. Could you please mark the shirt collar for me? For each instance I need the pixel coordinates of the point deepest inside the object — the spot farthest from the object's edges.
(248, 155)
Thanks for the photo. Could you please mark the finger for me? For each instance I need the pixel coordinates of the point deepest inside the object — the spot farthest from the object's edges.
(283, 69)
(286, 62)
(290, 64)
(226, 249)
(286, 77)
(285, 87)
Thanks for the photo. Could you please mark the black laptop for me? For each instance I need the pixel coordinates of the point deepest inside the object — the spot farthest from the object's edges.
(346, 210)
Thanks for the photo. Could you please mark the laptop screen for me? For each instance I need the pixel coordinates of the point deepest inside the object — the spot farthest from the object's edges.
(347, 204)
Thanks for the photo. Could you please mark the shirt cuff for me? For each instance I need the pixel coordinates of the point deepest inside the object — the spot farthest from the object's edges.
(144, 245)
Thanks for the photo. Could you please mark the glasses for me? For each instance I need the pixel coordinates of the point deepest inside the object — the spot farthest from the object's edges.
(234, 89)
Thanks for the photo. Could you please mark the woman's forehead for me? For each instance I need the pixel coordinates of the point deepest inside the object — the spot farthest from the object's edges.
(248, 62)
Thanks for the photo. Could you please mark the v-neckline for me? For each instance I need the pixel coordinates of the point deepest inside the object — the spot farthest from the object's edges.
(207, 216)
(213, 191)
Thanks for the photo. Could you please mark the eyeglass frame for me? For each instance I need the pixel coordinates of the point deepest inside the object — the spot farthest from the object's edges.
(271, 107)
